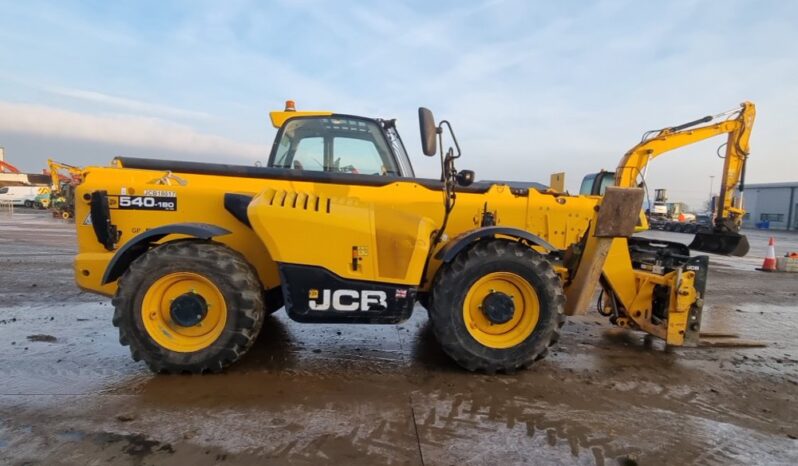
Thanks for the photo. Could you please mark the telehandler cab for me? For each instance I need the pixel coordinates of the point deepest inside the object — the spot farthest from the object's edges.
(337, 229)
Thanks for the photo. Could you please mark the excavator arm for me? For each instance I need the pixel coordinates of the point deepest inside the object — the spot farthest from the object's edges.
(723, 238)
(56, 178)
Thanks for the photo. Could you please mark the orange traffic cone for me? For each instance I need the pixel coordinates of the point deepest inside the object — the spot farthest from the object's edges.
(769, 264)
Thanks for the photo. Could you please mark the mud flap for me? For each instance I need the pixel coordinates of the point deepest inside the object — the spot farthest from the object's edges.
(725, 243)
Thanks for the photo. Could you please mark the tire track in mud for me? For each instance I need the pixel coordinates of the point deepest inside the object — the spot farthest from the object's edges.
(387, 441)
(370, 446)
(604, 419)
(458, 420)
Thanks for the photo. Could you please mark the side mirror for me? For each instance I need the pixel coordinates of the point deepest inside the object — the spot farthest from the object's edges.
(429, 131)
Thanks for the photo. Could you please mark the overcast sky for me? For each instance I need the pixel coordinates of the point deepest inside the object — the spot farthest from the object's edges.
(530, 87)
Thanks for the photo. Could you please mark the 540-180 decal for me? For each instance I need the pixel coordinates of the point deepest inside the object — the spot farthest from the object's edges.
(144, 203)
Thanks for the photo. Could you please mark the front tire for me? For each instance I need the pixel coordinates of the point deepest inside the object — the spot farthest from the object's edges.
(189, 307)
(498, 306)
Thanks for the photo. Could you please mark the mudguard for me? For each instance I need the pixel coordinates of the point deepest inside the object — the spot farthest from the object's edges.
(139, 244)
(457, 244)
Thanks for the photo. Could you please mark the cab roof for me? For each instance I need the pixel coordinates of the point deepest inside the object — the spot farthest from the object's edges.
(280, 117)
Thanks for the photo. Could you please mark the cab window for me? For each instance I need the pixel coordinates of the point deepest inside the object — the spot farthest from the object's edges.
(334, 145)
(587, 184)
(596, 184)
(309, 154)
(357, 156)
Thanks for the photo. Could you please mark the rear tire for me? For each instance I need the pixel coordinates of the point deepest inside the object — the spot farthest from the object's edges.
(465, 285)
(229, 290)
(28, 204)
(424, 300)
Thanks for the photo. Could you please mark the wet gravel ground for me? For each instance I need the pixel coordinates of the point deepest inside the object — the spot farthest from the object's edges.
(315, 394)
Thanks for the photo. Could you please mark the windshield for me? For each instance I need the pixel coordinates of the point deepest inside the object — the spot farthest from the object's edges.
(335, 144)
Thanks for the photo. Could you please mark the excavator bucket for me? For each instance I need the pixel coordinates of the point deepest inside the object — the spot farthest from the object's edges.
(721, 242)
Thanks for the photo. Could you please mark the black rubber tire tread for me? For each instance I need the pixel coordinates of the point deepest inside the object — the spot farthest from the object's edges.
(273, 300)
(424, 300)
(452, 284)
(227, 269)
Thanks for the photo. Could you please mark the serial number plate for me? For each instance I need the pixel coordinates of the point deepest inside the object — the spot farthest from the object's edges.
(147, 203)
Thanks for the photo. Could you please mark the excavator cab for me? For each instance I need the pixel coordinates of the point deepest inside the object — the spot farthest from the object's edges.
(595, 184)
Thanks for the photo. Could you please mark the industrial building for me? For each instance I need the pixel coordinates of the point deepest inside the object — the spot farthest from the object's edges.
(771, 205)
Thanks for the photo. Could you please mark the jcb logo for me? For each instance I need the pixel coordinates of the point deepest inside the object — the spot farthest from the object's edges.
(347, 300)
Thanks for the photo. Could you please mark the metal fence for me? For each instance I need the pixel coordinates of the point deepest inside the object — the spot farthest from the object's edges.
(7, 207)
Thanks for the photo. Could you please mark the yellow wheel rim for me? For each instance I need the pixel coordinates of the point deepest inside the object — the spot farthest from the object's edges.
(65, 215)
(525, 315)
(156, 312)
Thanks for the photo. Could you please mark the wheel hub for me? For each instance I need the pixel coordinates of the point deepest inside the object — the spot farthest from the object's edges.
(188, 309)
(498, 307)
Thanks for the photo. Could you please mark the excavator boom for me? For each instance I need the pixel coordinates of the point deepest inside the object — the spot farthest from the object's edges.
(723, 237)
(54, 170)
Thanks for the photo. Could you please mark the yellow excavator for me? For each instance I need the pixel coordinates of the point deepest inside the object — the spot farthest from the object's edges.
(62, 188)
(723, 236)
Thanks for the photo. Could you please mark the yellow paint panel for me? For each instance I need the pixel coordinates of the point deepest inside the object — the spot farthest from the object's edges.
(394, 222)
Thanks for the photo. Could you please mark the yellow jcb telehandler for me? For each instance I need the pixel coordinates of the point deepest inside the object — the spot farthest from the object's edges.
(337, 228)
